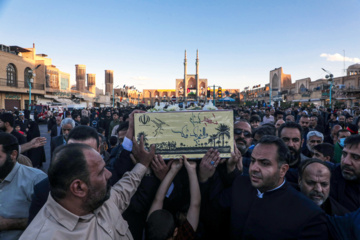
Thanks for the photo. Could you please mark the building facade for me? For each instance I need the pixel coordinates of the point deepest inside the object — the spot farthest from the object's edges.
(345, 90)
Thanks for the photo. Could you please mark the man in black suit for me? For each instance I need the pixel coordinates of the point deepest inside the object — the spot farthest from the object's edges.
(66, 126)
(22, 122)
(56, 129)
(345, 187)
(263, 205)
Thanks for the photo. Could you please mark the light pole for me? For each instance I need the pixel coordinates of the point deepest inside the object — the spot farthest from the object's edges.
(330, 77)
(31, 80)
(114, 95)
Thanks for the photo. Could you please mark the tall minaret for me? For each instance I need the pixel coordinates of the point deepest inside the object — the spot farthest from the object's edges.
(197, 73)
(185, 77)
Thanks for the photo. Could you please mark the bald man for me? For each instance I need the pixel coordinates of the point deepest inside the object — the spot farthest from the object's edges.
(314, 182)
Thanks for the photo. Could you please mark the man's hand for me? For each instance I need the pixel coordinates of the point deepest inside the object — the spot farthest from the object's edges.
(141, 155)
(234, 161)
(208, 164)
(159, 167)
(38, 142)
(130, 131)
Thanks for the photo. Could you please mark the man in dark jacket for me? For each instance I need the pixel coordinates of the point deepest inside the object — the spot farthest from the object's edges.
(345, 187)
(66, 126)
(260, 204)
(56, 129)
(314, 182)
(105, 123)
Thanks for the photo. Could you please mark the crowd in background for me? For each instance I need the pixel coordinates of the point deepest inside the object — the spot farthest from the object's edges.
(294, 174)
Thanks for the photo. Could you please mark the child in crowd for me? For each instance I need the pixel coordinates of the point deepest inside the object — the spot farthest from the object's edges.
(17, 128)
(160, 223)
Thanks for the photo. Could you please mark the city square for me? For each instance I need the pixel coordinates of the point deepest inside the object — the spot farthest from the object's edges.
(179, 120)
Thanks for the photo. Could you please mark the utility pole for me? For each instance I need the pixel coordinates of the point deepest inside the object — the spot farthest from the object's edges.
(31, 80)
(330, 77)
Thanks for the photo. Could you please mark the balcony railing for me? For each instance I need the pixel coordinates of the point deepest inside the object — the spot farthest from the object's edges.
(20, 84)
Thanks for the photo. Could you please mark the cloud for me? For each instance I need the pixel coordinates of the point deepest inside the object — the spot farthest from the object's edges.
(337, 57)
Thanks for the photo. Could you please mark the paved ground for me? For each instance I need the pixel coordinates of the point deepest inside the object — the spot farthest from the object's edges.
(44, 133)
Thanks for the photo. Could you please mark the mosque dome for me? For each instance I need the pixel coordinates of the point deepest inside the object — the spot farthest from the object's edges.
(354, 66)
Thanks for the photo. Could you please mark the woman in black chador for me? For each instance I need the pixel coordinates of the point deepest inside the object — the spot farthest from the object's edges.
(36, 155)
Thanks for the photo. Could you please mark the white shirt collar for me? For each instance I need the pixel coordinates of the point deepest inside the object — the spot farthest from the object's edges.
(260, 194)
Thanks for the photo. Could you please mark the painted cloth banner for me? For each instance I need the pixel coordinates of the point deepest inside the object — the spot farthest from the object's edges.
(189, 133)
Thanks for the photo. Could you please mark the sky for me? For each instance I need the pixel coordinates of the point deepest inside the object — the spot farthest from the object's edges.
(143, 41)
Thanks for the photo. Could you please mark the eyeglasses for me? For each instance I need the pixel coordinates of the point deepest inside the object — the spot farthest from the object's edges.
(238, 131)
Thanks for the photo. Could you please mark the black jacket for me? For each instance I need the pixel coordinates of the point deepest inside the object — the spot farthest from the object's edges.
(55, 142)
(54, 131)
(280, 214)
(345, 192)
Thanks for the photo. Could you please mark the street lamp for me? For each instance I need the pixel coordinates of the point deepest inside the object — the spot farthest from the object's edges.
(114, 95)
(330, 77)
(31, 80)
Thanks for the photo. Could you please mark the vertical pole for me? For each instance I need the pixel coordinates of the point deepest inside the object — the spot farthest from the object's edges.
(29, 95)
(331, 90)
(113, 97)
(270, 94)
(214, 96)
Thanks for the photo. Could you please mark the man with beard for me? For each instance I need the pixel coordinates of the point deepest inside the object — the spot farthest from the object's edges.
(105, 123)
(17, 183)
(349, 119)
(304, 122)
(291, 134)
(314, 182)
(342, 122)
(313, 138)
(314, 124)
(339, 145)
(81, 134)
(66, 126)
(332, 138)
(243, 137)
(345, 187)
(7, 122)
(255, 204)
(81, 204)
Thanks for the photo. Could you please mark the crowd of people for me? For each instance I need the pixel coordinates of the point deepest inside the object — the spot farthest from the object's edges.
(294, 174)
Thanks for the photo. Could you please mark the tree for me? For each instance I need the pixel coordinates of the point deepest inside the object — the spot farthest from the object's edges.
(223, 131)
(212, 138)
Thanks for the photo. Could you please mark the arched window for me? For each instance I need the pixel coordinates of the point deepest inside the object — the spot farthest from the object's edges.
(11, 75)
(26, 77)
(275, 81)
